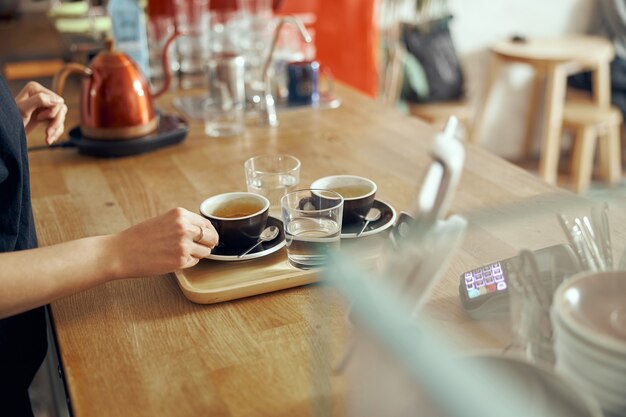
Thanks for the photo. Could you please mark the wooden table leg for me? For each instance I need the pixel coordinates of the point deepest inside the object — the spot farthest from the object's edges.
(479, 118)
(531, 117)
(551, 136)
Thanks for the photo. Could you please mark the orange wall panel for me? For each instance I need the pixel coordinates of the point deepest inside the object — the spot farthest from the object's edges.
(346, 42)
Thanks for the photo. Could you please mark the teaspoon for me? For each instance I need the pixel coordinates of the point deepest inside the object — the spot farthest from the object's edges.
(269, 233)
(372, 216)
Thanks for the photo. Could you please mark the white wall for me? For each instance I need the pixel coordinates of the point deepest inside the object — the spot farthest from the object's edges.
(479, 23)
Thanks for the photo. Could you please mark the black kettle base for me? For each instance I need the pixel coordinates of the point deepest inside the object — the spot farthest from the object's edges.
(171, 130)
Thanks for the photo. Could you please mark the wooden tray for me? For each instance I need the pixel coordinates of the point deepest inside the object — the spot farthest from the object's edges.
(213, 281)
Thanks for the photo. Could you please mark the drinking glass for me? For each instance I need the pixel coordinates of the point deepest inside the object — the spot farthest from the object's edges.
(530, 298)
(160, 29)
(192, 20)
(256, 31)
(225, 31)
(224, 105)
(272, 176)
(312, 220)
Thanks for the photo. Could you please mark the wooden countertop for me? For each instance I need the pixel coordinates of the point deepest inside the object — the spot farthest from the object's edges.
(140, 348)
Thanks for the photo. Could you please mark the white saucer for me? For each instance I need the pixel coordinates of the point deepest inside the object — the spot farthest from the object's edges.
(264, 249)
(387, 219)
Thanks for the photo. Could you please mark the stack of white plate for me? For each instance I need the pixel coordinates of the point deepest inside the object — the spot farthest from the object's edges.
(589, 322)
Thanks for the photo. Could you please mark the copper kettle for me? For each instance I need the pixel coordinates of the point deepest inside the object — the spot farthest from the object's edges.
(116, 102)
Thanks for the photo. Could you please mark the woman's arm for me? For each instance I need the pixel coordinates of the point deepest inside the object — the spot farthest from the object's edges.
(160, 245)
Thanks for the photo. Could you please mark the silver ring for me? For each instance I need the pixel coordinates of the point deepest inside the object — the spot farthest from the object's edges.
(201, 234)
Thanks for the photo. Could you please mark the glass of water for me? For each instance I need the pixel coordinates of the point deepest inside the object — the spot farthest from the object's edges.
(312, 220)
(272, 176)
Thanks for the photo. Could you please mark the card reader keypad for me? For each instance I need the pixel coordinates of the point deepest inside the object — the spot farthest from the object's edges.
(485, 280)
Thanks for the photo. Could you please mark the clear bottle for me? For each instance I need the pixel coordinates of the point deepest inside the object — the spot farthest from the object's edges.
(129, 31)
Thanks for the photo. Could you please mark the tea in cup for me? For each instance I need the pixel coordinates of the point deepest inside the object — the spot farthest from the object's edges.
(239, 217)
(358, 194)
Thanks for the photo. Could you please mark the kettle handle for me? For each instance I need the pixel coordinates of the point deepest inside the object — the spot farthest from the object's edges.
(58, 83)
(166, 65)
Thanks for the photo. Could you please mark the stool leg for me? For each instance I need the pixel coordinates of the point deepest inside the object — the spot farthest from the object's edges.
(582, 160)
(610, 156)
(555, 100)
(479, 118)
(531, 117)
(601, 76)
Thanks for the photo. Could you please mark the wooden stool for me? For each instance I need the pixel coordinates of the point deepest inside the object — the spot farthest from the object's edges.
(590, 123)
(552, 59)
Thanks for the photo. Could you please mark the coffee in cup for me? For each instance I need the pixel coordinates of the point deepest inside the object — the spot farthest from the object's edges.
(239, 217)
(358, 194)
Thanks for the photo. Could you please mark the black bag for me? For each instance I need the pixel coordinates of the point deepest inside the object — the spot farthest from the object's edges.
(431, 45)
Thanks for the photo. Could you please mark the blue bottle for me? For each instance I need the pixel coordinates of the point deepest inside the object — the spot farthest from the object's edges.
(129, 31)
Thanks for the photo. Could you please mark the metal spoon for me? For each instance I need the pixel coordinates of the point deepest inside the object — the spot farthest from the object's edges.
(372, 215)
(269, 233)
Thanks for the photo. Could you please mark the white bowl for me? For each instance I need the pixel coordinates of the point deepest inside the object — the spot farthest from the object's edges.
(610, 397)
(602, 376)
(586, 348)
(614, 403)
(593, 305)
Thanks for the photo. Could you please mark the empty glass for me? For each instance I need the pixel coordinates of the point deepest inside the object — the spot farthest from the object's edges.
(312, 220)
(225, 31)
(531, 289)
(224, 105)
(192, 20)
(160, 29)
(255, 34)
(272, 176)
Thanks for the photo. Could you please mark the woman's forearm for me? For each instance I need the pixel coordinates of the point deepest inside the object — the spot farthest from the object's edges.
(174, 240)
(35, 277)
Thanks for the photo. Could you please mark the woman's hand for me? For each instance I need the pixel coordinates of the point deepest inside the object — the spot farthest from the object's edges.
(38, 105)
(175, 240)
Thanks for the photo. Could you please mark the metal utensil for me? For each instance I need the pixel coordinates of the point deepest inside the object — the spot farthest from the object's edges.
(595, 236)
(573, 240)
(589, 240)
(268, 234)
(372, 215)
(600, 235)
(587, 253)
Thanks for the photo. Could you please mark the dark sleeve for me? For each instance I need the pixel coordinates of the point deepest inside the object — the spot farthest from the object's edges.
(11, 178)
(4, 172)
(23, 336)
(17, 228)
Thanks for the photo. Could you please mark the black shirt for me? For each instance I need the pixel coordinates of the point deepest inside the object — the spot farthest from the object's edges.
(22, 337)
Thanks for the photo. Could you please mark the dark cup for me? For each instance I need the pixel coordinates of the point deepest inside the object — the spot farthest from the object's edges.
(239, 218)
(302, 80)
(358, 194)
(319, 200)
